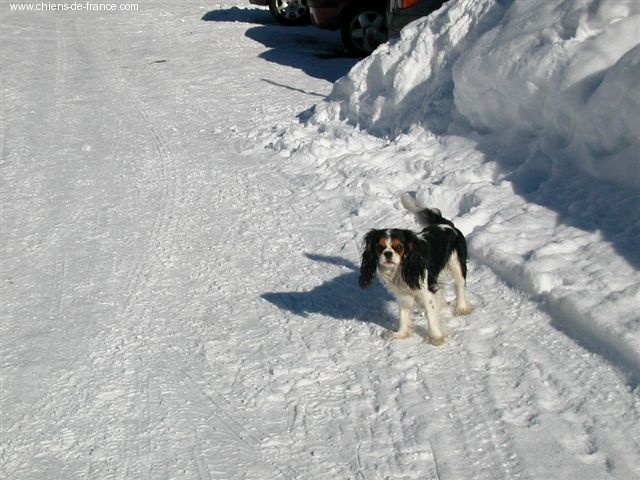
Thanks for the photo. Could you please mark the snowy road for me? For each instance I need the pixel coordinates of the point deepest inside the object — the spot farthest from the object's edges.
(180, 303)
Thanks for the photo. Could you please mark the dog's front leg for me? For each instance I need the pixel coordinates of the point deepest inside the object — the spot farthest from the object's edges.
(429, 304)
(405, 328)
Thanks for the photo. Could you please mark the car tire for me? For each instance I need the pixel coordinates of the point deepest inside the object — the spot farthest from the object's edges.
(290, 12)
(363, 27)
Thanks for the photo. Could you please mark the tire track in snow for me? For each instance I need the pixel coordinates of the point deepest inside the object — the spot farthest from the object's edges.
(67, 51)
(488, 447)
(60, 80)
(131, 320)
(222, 412)
(524, 399)
(543, 380)
(114, 345)
(49, 407)
(162, 231)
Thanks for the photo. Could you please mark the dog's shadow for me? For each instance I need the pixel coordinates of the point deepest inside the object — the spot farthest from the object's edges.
(340, 298)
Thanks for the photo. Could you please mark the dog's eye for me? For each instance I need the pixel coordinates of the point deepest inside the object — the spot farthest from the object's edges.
(398, 248)
(379, 249)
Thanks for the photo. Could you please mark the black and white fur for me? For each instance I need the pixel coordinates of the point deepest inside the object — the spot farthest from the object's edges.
(410, 265)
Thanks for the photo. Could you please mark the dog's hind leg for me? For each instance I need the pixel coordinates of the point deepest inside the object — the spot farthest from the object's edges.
(440, 300)
(462, 307)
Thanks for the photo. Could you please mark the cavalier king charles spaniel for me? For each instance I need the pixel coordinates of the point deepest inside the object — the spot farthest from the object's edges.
(410, 265)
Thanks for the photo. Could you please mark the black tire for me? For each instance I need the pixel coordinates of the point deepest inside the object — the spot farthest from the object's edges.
(290, 12)
(363, 27)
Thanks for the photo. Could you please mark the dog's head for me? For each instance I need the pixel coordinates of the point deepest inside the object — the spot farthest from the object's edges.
(386, 250)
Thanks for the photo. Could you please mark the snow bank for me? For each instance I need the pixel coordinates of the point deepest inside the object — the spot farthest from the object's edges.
(507, 116)
(563, 75)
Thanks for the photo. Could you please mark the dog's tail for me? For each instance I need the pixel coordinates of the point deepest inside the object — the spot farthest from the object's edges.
(425, 216)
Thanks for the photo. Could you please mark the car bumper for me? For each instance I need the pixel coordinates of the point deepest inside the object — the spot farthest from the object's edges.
(398, 18)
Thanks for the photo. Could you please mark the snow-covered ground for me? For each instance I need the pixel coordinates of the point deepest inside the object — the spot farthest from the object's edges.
(181, 226)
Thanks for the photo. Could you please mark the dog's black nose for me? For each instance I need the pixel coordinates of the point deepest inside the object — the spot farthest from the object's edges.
(388, 255)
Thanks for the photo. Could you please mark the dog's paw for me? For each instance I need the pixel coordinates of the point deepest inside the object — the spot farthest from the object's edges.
(437, 341)
(464, 309)
(397, 335)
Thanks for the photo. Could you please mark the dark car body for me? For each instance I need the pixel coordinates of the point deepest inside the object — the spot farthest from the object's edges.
(326, 13)
(403, 12)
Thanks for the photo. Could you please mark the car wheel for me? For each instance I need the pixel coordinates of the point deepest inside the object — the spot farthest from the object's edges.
(363, 28)
(289, 12)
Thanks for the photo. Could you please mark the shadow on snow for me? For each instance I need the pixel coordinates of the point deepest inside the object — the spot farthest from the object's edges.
(318, 53)
(244, 15)
(340, 298)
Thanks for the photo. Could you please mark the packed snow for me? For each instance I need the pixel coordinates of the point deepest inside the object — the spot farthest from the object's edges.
(184, 194)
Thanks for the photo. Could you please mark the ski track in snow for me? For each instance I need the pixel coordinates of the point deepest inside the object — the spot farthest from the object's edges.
(179, 304)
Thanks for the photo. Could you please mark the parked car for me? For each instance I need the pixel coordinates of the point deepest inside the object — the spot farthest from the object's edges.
(403, 12)
(287, 12)
(362, 23)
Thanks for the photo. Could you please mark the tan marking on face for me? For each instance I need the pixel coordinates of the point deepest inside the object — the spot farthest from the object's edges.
(382, 245)
(397, 246)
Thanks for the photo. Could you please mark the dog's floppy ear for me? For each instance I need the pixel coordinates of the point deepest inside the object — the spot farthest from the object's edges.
(414, 262)
(369, 262)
